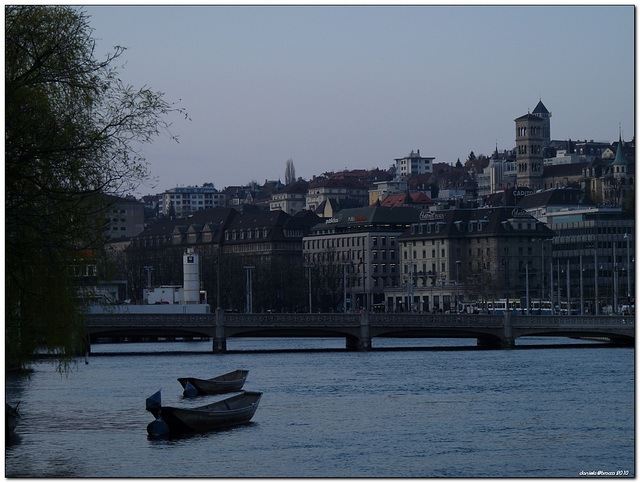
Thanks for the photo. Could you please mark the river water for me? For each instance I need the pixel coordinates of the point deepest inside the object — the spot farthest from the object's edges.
(434, 410)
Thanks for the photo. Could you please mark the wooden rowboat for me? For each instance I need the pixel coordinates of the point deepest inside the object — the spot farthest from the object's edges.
(230, 382)
(234, 411)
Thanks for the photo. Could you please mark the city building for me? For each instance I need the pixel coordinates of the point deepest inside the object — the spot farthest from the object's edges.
(418, 201)
(184, 200)
(125, 217)
(596, 244)
(529, 160)
(499, 175)
(336, 189)
(413, 164)
(291, 199)
(256, 246)
(356, 253)
(541, 111)
(468, 254)
(382, 189)
(611, 180)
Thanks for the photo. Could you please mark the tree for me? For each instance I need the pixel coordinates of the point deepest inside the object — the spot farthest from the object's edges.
(72, 130)
(289, 172)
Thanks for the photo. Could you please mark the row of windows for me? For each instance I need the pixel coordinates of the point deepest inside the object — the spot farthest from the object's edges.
(247, 234)
(333, 243)
(522, 131)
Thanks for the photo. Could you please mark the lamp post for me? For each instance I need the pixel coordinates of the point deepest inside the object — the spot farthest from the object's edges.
(526, 269)
(568, 290)
(559, 296)
(551, 284)
(615, 280)
(249, 288)
(409, 266)
(344, 286)
(457, 286)
(627, 237)
(149, 269)
(309, 267)
(595, 257)
(581, 289)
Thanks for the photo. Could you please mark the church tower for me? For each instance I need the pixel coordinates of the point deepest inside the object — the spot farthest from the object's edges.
(545, 115)
(529, 160)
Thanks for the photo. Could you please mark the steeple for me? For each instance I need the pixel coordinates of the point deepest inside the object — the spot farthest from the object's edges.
(621, 159)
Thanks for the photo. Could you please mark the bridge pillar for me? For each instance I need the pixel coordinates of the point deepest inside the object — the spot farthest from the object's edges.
(506, 341)
(364, 341)
(219, 339)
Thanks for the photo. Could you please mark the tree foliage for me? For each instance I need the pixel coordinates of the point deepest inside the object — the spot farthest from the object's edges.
(290, 172)
(72, 129)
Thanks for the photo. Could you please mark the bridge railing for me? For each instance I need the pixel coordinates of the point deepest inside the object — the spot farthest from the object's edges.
(305, 320)
(434, 320)
(573, 320)
(149, 320)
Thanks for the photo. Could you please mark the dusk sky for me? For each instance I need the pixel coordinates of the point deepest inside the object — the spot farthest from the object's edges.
(335, 87)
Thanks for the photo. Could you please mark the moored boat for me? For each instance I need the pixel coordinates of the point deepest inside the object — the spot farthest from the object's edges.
(230, 412)
(12, 417)
(230, 382)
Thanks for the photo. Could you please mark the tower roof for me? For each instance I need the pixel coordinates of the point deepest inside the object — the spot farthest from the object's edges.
(540, 109)
(620, 157)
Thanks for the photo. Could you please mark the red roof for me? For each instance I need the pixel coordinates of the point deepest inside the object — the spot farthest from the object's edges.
(399, 200)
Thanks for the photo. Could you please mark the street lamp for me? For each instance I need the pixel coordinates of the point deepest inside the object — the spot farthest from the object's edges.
(615, 280)
(149, 269)
(344, 286)
(309, 267)
(627, 237)
(249, 288)
(409, 266)
(457, 286)
(595, 257)
(568, 290)
(581, 289)
(526, 269)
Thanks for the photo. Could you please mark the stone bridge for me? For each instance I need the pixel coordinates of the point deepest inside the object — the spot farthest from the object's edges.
(358, 329)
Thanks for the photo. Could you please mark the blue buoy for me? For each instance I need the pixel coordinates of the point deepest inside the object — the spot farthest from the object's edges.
(189, 390)
(158, 428)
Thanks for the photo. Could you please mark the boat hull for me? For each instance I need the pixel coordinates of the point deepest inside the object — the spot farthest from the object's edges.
(234, 411)
(231, 382)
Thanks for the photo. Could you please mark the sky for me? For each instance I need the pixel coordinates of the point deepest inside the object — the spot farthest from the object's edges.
(355, 87)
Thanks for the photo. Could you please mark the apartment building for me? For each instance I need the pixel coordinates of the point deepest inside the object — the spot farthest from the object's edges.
(596, 244)
(356, 252)
(412, 164)
(125, 217)
(291, 199)
(336, 189)
(184, 200)
(468, 254)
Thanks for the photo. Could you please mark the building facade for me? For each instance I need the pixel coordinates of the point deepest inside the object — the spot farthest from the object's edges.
(125, 217)
(291, 199)
(541, 111)
(184, 200)
(468, 254)
(356, 254)
(336, 189)
(591, 268)
(529, 155)
(412, 164)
